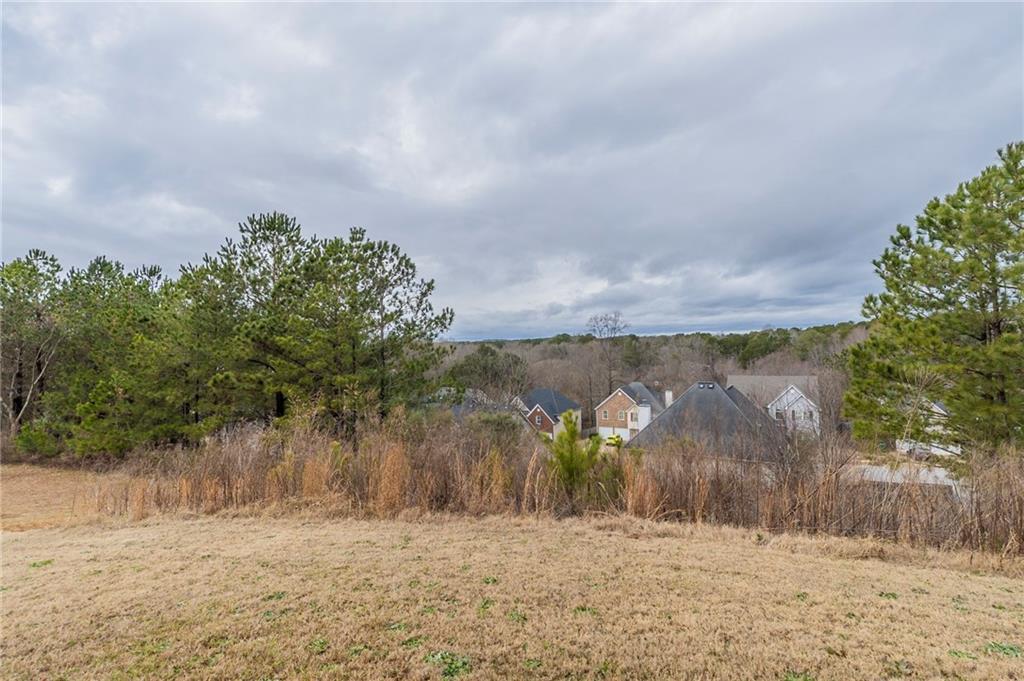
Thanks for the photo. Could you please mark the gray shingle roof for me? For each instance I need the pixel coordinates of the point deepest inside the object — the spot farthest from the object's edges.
(640, 394)
(551, 401)
(706, 413)
(763, 389)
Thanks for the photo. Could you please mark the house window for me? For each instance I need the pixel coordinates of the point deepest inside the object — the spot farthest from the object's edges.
(632, 416)
(622, 415)
(536, 419)
(604, 414)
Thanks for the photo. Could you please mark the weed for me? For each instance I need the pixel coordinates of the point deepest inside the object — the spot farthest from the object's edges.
(397, 626)
(151, 647)
(532, 663)
(490, 580)
(275, 596)
(357, 650)
(428, 610)
(318, 646)
(835, 652)
(962, 654)
(452, 664)
(802, 596)
(1007, 649)
(584, 610)
(797, 676)
(918, 590)
(41, 563)
(413, 642)
(897, 669)
(485, 605)
(516, 616)
(888, 595)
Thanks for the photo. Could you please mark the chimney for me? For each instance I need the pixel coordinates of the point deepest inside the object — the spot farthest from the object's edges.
(668, 397)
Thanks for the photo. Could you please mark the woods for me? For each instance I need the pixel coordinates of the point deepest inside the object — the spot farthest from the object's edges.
(102, 359)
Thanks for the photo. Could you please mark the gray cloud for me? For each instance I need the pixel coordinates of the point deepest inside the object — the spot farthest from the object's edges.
(697, 166)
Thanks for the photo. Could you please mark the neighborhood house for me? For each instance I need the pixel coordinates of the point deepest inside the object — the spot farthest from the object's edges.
(787, 399)
(937, 414)
(543, 409)
(629, 410)
(714, 416)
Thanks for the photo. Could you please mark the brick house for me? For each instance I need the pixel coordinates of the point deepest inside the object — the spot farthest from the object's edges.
(628, 410)
(543, 409)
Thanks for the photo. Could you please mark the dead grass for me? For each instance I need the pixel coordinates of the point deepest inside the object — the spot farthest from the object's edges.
(35, 496)
(488, 598)
(410, 465)
(610, 596)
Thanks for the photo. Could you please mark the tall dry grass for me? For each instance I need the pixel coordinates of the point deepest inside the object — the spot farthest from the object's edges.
(417, 464)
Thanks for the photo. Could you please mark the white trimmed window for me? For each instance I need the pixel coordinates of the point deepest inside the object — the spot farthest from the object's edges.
(536, 419)
(622, 415)
(604, 414)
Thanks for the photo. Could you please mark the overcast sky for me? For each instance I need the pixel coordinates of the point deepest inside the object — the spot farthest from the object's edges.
(695, 166)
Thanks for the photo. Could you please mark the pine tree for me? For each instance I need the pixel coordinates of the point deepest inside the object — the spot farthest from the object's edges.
(948, 326)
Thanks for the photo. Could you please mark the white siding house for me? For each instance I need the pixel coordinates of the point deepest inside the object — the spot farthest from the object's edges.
(937, 415)
(796, 410)
(787, 399)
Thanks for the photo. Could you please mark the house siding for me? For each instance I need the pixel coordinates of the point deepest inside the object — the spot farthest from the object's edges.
(546, 426)
(613, 425)
(796, 410)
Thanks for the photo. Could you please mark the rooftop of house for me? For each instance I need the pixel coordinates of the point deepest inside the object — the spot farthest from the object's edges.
(710, 414)
(641, 394)
(762, 389)
(551, 401)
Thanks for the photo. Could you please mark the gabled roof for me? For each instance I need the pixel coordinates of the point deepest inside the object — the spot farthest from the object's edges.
(763, 389)
(640, 394)
(707, 413)
(476, 401)
(551, 401)
(749, 409)
(787, 390)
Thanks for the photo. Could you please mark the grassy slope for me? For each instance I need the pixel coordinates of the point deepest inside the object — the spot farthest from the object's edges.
(293, 598)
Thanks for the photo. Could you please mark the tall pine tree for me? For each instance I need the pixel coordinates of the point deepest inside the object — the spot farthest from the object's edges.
(947, 329)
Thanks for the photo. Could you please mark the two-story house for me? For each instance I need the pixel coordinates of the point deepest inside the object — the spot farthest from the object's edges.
(628, 410)
(543, 408)
(787, 399)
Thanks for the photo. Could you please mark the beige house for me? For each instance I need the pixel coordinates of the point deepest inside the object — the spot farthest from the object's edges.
(628, 410)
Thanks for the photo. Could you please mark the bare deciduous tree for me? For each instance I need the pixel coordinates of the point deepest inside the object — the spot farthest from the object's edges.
(606, 329)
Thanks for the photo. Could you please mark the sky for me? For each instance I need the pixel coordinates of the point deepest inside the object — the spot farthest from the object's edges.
(695, 166)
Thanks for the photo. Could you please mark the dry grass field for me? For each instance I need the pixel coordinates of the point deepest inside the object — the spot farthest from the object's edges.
(310, 597)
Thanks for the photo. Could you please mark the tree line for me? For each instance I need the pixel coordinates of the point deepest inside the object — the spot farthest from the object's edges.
(102, 359)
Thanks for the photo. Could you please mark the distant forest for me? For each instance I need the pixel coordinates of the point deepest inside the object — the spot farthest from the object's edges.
(587, 368)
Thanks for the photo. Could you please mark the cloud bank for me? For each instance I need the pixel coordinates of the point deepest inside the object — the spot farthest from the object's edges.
(714, 167)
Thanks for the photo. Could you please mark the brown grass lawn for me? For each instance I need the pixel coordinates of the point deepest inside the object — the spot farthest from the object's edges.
(34, 496)
(263, 598)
